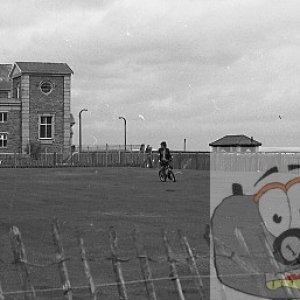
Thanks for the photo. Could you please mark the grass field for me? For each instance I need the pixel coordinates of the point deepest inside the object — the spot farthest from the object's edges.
(93, 199)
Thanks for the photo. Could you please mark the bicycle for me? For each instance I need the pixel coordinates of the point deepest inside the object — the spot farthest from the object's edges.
(166, 172)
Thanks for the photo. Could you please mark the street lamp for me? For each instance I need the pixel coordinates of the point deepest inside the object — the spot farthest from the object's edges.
(125, 131)
(80, 132)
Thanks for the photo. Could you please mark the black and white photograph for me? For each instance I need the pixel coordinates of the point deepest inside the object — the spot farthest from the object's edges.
(150, 150)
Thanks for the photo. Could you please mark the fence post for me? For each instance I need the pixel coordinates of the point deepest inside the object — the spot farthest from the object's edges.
(20, 259)
(117, 265)
(62, 156)
(144, 264)
(192, 263)
(97, 157)
(106, 155)
(20, 159)
(179, 160)
(86, 267)
(1, 293)
(120, 156)
(71, 158)
(15, 163)
(61, 261)
(54, 159)
(173, 269)
(197, 160)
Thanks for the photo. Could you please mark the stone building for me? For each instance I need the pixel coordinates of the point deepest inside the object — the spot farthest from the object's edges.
(35, 107)
(235, 143)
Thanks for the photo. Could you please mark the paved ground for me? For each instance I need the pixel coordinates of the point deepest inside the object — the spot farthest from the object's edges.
(93, 199)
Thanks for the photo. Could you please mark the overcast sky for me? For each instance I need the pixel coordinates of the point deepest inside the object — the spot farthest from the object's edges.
(175, 69)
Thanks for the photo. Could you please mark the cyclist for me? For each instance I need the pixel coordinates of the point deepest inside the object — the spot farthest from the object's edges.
(165, 157)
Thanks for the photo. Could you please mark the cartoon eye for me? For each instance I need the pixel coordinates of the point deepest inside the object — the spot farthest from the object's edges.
(277, 219)
(294, 198)
(275, 211)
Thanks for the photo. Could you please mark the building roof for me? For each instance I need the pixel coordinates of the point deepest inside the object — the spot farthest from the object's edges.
(42, 68)
(235, 140)
(5, 82)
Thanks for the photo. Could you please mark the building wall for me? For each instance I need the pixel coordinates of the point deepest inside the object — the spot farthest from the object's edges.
(249, 149)
(13, 129)
(235, 149)
(52, 103)
(24, 117)
(4, 94)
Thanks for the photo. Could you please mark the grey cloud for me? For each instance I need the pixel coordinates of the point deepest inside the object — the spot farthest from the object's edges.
(241, 57)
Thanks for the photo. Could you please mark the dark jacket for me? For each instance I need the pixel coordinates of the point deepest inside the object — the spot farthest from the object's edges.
(168, 154)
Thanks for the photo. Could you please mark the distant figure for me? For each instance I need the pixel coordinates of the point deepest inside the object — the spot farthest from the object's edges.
(149, 163)
(148, 149)
(142, 148)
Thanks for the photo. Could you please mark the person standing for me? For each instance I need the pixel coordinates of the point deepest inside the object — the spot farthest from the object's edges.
(149, 161)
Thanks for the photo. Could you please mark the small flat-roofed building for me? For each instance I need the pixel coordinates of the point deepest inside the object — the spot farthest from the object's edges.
(235, 143)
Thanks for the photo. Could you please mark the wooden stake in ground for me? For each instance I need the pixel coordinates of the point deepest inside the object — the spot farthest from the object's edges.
(1, 293)
(117, 265)
(20, 260)
(171, 260)
(192, 264)
(144, 264)
(86, 268)
(61, 261)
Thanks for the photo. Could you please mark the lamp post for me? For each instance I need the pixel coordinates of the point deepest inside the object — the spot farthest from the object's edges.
(80, 132)
(125, 131)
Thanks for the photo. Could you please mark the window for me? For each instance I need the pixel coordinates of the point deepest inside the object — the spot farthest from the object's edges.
(46, 127)
(18, 91)
(46, 87)
(3, 140)
(3, 117)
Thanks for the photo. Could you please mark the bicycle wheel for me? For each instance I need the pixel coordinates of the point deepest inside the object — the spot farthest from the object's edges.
(171, 176)
(162, 176)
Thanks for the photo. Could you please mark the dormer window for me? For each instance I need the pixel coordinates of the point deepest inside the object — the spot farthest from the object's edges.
(46, 87)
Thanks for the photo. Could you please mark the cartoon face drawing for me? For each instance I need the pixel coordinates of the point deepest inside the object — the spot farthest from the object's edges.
(256, 238)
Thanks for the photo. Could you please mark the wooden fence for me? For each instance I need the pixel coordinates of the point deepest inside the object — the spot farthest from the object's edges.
(229, 162)
(28, 291)
(185, 160)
